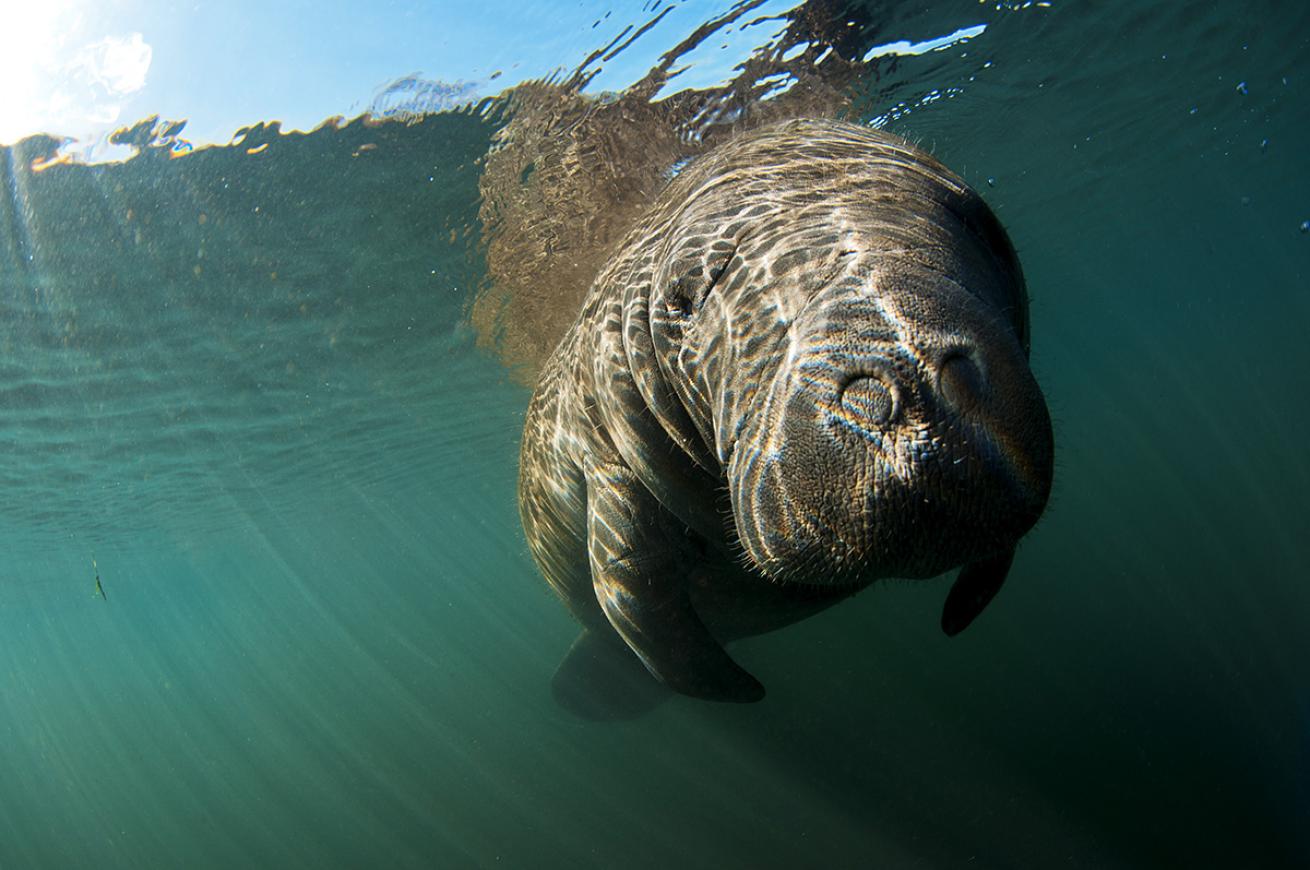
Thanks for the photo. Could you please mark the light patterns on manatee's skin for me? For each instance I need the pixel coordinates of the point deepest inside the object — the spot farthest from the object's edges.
(670, 395)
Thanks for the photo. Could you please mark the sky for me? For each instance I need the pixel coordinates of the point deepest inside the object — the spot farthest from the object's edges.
(82, 68)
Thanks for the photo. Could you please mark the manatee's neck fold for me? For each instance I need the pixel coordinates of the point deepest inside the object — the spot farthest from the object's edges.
(643, 419)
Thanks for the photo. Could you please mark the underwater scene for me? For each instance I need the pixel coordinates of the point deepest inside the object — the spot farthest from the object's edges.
(275, 290)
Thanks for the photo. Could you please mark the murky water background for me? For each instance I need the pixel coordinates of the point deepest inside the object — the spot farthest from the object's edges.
(248, 384)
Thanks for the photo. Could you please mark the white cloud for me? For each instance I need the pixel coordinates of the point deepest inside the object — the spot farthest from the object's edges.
(116, 63)
(29, 48)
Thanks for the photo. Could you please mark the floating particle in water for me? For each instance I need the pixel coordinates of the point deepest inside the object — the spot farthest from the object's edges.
(1241, 88)
(991, 182)
(1264, 143)
(1305, 226)
(1192, 111)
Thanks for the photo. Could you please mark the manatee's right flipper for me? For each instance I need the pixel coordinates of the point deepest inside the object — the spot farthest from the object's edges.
(600, 679)
(633, 545)
(973, 590)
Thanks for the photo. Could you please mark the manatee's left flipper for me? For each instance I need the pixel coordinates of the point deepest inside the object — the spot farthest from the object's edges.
(976, 586)
(634, 547)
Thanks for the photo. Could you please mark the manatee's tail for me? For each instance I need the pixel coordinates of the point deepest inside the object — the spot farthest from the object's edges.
(602, 680)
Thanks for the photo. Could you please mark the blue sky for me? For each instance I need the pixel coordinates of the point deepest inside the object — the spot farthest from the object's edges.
(81, 68)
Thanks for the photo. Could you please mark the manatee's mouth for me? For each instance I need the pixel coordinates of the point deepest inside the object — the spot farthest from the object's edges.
(783, 537)
(887, 530)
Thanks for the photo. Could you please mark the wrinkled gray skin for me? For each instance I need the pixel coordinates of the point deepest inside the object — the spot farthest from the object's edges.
(804, 371)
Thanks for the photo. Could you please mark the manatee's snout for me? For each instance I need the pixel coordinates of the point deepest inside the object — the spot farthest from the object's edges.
(977, 404)
(875, 398)
(901, 455)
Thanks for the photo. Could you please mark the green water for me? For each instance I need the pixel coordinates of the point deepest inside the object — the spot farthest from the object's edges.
(246, 384)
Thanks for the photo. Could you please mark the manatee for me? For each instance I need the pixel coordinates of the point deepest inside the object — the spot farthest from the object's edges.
(804, 370)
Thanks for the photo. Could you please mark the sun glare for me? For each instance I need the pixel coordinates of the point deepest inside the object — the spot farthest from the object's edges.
(29, 50)
(59, 75)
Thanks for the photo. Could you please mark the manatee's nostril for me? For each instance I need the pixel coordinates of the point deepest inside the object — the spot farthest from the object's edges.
(959, 381)
(868, 399)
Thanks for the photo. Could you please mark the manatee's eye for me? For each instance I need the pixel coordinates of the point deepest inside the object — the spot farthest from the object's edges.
(686, 293)
(677, 300)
